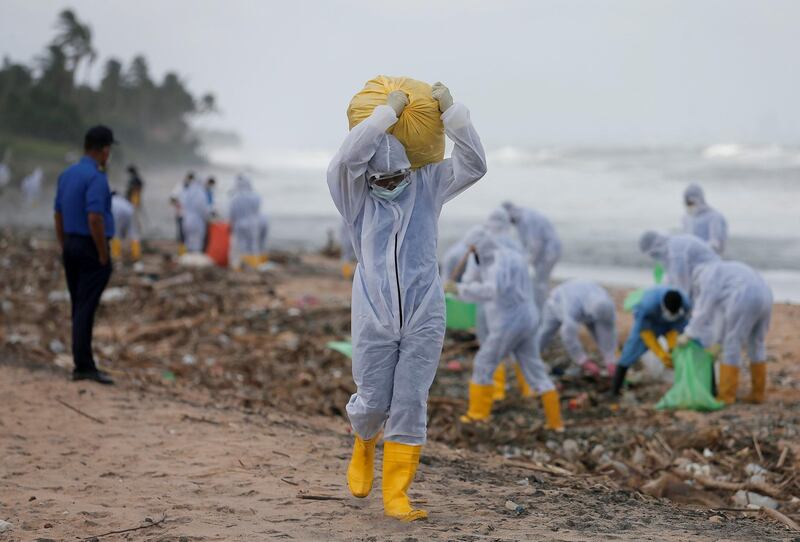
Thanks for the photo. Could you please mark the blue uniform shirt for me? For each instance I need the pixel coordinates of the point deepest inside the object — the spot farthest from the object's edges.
(83, 189)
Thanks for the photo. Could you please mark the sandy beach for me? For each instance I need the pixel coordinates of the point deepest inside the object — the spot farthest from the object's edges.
(227, 424)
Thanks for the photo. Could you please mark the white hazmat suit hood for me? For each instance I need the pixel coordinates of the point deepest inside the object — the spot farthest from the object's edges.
(680, 254)
(389, 158)
(703, 221)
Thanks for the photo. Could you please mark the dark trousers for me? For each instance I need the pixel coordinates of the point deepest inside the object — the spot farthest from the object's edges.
(86, 280)
(179, 229)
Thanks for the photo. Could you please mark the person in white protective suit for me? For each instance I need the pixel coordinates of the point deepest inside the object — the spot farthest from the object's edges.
(539, 238)
(398, 315)
(348, 254)
(32, 186)
(243, 214)
(733, 306)
(680, 255)
(196, 211)
(498, 279)
(581, 302)
(453, 261)
(125, 227)
(702, 220)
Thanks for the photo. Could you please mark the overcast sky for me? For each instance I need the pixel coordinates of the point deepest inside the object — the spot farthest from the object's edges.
(532, 72)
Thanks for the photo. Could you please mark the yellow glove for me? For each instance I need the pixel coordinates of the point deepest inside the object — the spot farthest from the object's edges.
(451, 287)
(714, 350)
(650, 340)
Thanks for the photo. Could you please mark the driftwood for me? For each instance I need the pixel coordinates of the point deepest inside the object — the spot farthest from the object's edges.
(777, 516)
(538, 467)
(705, 481)
(82, 413)
(139, 528)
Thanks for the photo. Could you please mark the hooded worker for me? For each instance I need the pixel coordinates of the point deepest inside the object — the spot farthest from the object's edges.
(245, 207)
(196, 212)
(680, 254)
(125, 228)
(498, 279)
(702, 220)
(733, 307)
(398, 316)
(581, 302)
(663, 311)
(539, 238)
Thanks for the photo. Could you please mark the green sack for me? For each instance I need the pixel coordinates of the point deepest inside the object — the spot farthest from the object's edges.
(632, 299)
(460, 314)
(692, 387)
(343, 347)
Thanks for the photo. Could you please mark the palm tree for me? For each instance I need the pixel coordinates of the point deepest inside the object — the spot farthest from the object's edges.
(75, 39)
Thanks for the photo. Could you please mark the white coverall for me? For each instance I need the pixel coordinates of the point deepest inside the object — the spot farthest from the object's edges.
(540, 240)
(704, 221)
(680, 254)
(124, 223)
(196, 212)
(501, 284)
(398, 315)
(244, 216)
(580, 302)
(732, 307)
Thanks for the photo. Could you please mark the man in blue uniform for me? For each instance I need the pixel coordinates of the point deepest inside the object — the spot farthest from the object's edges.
(84, 224)
(662, 312)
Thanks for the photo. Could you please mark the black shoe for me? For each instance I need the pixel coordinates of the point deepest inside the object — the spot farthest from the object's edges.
(97, 376)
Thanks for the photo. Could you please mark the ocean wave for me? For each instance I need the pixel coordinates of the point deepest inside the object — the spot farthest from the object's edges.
(751, 153)
(272, 159)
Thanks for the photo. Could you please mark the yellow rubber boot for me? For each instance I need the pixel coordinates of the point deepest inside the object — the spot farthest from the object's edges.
(250, 260)
(480, 402)
(181, 249)
(522, 385)
(263, 258)
(348, 269)
(360, 472)
(758, 383)
(728, 383)
(116, 248)
(136, 250)
(552, 411)
(400, 463)
(499, 393)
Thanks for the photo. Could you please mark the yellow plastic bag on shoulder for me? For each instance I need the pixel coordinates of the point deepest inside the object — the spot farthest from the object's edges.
(419, 127)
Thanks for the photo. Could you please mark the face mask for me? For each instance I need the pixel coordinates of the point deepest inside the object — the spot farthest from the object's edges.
(389, 195)
(671, 317)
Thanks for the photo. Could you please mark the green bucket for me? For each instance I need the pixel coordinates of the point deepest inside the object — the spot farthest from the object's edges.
(460, 314)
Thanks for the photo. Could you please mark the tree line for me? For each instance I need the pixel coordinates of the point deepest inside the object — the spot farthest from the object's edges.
(46, 100)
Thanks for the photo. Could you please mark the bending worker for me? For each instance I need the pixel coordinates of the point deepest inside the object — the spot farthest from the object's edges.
(124, 228)
(398, 321)
(498, 279)
(733, 308)
(702, 220)
(662, 312)
(577, 302)
(539, 238)
(679, 254)
(244, 216)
